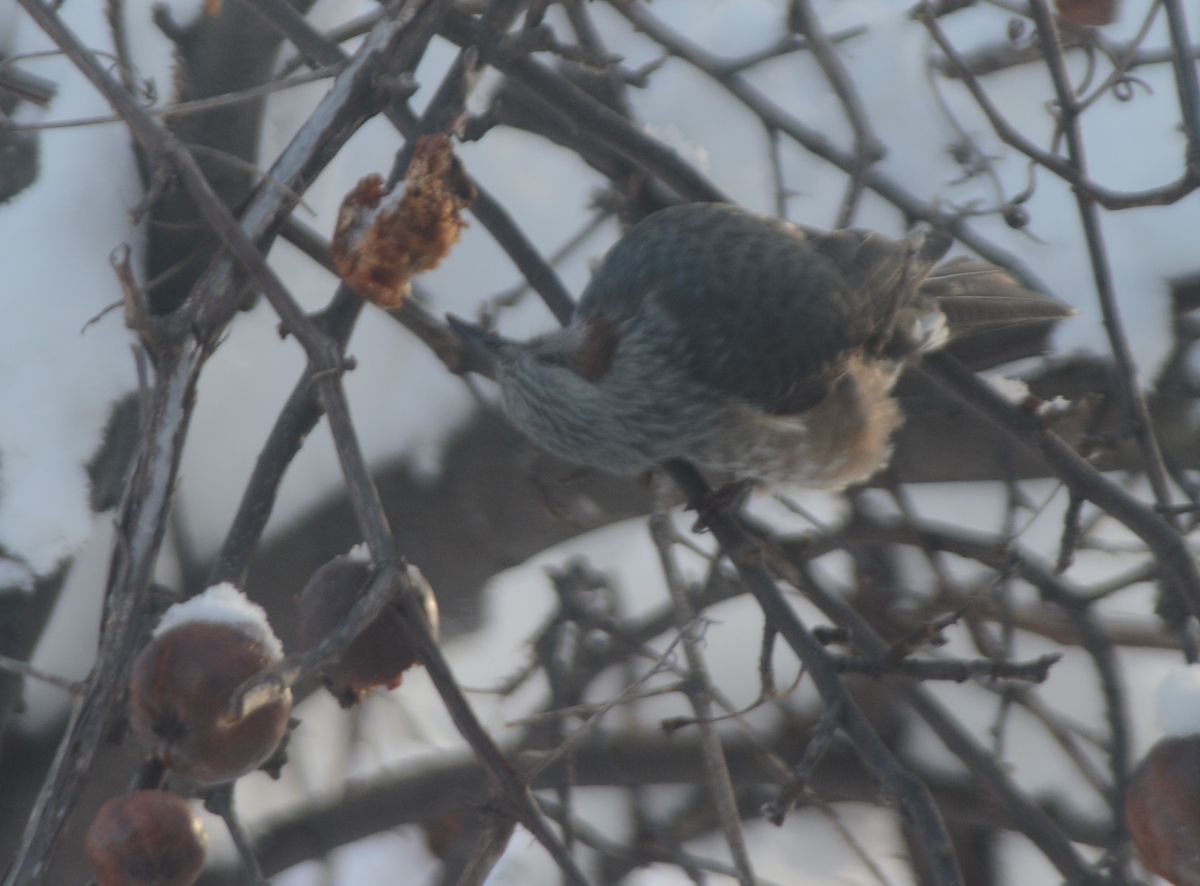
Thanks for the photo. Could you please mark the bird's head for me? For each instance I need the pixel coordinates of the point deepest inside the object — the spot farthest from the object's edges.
(481, 352)
(505, 360)
(559, 389)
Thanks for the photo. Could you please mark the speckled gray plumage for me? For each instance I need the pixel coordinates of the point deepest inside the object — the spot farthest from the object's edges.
(766, 308)
(746, 344)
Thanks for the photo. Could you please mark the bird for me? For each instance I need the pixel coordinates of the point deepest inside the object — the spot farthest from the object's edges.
(755, 348)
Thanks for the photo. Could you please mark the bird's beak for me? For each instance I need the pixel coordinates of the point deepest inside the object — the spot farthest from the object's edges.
(480, 348)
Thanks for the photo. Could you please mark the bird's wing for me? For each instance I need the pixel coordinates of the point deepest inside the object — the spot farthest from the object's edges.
(763, 310)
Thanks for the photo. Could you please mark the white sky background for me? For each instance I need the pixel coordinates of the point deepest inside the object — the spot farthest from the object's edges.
(56, 382)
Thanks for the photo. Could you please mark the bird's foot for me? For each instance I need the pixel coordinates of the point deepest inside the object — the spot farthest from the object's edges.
(731, 496)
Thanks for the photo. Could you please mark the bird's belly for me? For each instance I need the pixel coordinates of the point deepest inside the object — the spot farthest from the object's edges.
(844, 439)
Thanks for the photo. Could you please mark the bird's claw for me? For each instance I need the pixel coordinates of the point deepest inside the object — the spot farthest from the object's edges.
(731, 496)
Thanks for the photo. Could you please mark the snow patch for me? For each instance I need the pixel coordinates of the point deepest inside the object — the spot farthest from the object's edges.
(1178, 700)
(15, 576)
(223, 604)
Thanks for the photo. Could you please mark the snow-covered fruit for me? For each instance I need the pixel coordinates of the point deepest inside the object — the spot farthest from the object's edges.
(378, 656)
(1162, 808)
(185, 678)
(146, 838)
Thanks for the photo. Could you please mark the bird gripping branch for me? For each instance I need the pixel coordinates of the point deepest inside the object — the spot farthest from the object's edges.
(753, 347)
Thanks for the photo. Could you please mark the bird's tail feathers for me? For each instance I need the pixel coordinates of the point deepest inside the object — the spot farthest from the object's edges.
(992, 318)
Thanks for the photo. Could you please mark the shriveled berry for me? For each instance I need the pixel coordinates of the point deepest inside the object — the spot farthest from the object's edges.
(146, 838)
(1162, 807)
(376, 657)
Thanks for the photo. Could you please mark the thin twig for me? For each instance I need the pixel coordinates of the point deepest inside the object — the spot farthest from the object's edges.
(1182, 55)
(1163, 195)
(185, 108)
(1027, 818)
(1068, 119)
(868, 149)
(720, 785)
(907, 791)
(956, 670)
(220, 802)
(797, 784)
(776, 117)
(613, 130)
(1083, 480)
(15, 666)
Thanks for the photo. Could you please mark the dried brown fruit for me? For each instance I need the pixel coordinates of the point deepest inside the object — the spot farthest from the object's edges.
(378, 656)
(382, 240)
(1087, 13)
(1162, 807)
(183, 681)
(146, 838)
(441, 833)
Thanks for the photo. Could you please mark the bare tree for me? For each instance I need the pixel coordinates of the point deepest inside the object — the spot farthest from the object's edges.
(1123, 453)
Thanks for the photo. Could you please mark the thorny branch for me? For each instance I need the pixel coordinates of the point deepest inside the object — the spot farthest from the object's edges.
(179, 360)
(699, 693)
